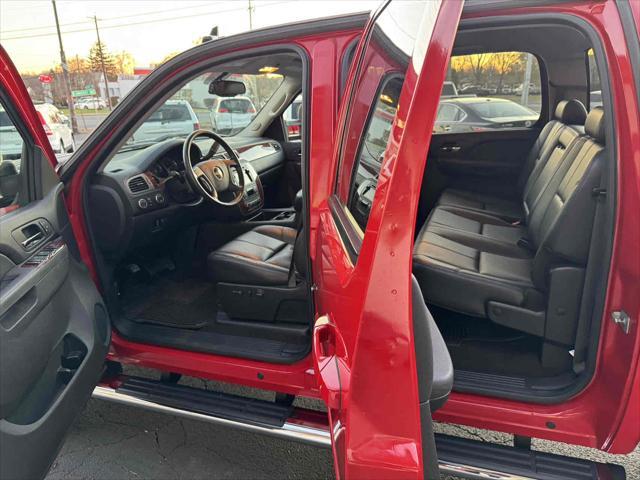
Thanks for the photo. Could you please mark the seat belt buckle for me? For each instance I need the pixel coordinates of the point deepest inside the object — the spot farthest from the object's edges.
(526, 244)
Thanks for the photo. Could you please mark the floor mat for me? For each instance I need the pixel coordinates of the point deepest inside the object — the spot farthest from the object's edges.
(479, 345)
(187, 303)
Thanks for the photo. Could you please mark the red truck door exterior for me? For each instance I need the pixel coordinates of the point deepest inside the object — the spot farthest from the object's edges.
(363, 338)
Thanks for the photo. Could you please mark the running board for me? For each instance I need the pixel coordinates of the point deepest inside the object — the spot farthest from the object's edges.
(456, 456)
(252, 415)
(484, 460)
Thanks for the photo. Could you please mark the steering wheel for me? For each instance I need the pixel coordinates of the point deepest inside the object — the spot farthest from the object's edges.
(211, 177)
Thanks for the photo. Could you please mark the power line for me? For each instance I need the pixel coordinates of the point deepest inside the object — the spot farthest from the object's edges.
(106, 19)
(39, 35)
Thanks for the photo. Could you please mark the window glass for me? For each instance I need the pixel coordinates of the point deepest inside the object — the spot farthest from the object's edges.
(372, 104)
(595, 88)
(490, 91)
(11, 149)
(193, 107)
(374, 143)
(293, 118)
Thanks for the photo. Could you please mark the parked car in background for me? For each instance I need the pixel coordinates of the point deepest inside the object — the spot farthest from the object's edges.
(449, 89)
(90, 104)
(10, 139)
(174, 118)
(475, 114)
(56, 126)
(533, 89)
(474, 90)
(230, 115)
(293, 117)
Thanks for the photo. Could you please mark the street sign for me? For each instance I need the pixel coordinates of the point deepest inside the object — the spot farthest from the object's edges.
(45, 78)
(83, 93)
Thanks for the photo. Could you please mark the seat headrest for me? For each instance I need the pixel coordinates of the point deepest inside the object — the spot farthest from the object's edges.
(571, 112)
(594, 125)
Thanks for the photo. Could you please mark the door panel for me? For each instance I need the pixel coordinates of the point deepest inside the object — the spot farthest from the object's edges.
(482, 161)
(54, 328)
(54, 335)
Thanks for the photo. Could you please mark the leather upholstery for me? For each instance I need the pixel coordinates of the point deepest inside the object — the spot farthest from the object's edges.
(464, 258)
(433, 362)
(594, 126)
(571, 112)
(550, 145)
(261, 256)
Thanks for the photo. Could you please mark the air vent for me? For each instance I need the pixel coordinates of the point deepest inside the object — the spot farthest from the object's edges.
(138, 184)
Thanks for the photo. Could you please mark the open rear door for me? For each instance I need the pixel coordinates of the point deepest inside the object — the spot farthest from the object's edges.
(54, 329)
(364, 349)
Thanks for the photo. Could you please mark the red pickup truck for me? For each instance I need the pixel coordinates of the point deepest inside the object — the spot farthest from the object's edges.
(479, 275)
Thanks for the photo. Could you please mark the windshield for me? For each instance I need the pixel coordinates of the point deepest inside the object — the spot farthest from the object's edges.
(236, 105)
(175, 113)
(193, 107)
(5, 121)
(502, 109)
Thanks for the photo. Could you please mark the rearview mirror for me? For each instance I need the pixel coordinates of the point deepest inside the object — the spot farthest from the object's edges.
(226, 88)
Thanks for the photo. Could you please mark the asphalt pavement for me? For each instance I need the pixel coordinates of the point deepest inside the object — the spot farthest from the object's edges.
(110, 441)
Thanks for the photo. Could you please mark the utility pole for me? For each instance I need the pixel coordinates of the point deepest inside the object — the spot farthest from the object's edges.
(251, 10)
(104, 71)
(524, 100)
(65, 74)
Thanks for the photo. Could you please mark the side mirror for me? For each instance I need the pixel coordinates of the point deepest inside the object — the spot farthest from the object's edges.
(227, 88)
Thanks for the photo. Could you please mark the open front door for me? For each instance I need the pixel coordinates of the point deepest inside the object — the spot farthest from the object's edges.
(364, 336)
(54, 329)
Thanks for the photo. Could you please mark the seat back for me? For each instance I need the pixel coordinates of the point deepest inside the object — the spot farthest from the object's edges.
(548, 153)
(561, 222)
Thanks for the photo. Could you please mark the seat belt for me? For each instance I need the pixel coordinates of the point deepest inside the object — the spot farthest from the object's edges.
(292, 267)
(593, 280)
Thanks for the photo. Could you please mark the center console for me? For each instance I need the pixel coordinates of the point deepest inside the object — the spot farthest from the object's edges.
(253, 196)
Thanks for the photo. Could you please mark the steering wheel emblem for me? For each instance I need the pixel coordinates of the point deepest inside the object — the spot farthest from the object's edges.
(218, 173)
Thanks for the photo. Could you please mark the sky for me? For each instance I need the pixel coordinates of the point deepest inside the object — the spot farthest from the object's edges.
(148, 29)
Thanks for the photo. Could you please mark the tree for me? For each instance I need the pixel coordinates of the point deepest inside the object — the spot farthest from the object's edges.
(477, 64)
(124, 62)
(99, 55)
(503, 64)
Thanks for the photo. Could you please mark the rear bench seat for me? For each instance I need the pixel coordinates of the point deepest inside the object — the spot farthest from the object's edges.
(569, 120)
(526, 275)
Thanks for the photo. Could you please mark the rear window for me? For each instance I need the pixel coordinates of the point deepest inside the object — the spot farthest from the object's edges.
(506, 84)
(177, 113)
(236, 105)
(595, 87)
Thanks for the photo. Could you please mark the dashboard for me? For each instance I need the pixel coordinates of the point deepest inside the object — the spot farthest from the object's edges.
(141, 194)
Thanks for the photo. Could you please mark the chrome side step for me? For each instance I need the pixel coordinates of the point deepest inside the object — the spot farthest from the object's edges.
(456, 456)
(291, 429)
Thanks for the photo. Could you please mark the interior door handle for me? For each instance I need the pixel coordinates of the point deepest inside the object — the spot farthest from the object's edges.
(35, 238)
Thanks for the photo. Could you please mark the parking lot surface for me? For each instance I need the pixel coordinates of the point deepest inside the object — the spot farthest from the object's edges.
(110, 441)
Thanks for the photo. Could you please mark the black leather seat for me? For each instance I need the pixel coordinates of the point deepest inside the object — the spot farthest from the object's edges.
(472, 262)
(261, 256)
(570, 116)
